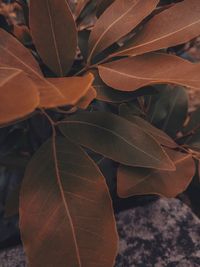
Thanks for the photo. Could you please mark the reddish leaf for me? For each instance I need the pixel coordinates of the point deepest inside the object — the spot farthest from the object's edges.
(141, 181)
(54, 33)
(118, 20)
(174, 26)
(19, 96)
(132, 73)
(66, 215)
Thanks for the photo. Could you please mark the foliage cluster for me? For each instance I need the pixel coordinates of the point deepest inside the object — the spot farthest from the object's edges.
(85, 84)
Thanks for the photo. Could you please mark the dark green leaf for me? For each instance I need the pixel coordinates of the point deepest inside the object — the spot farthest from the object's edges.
(115, 138)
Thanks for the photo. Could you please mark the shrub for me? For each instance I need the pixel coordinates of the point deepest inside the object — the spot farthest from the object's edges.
(114, 97)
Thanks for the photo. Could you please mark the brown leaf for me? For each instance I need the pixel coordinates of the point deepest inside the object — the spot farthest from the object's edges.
(84, 102)
(14, 54)
(176, 25)
(19, 96)
(133, 73)
(118, 20)
(54, 33)
(66, 215)
(107, 94)
(53, 92)
(141, 181)
(115, 138)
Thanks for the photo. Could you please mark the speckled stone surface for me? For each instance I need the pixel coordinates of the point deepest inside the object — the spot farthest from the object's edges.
(162, 233)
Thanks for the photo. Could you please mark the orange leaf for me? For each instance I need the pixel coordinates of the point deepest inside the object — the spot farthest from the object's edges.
(65, 91)
(87, 99)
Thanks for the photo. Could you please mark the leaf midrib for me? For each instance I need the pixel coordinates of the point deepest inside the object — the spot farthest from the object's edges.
(54, 37)
(117, 135)
(58, 177)
(155, 40)
(108, 28)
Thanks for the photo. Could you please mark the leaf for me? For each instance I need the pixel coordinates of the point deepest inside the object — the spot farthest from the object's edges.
(54, 33)
(102, 5)
(141, 181)
(66, 215)
(130, 74)
(68, 91)
(84, 102)
(18, 94)
(53, 92)
(160, 136)
(168, 110)
(81, 4)
(115, 138)
(118, 20)
(176, 25)
(14, 54)
(107, 94)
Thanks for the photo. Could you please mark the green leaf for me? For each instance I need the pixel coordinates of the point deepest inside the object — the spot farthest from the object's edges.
(66, 216)
(115, 138)
(142, 181)
(168, 109)
(160, 136)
